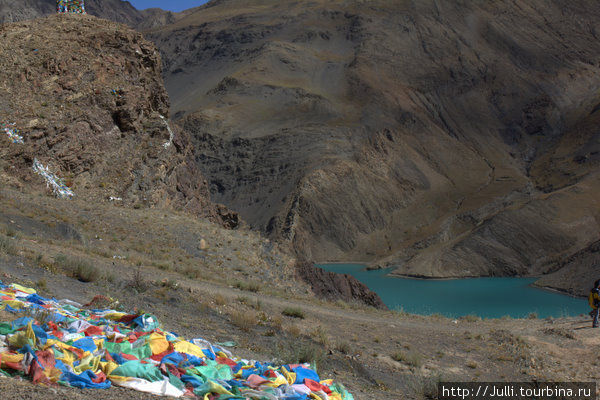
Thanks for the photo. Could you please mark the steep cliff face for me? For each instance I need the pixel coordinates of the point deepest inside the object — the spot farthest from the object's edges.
(87, 98)
(449, 139)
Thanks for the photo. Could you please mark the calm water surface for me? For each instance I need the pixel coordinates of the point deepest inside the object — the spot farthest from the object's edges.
(485, 297)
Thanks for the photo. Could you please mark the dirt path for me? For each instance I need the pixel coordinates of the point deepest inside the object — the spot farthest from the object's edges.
(376, 354)
(379, 355)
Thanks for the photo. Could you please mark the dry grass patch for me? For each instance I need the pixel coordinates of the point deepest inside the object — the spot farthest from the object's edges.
(7, 246)
(343, 347)
(293, 312)
(191, 272)
(276, 323)
(301, 352)
(163, 266)
(411, 359)
(77, 267)
(41, 284)
(319, 335)
(138, 282)
(243, 320)
(293, 330)
(425, 387)
(247, 286)
(219, 299)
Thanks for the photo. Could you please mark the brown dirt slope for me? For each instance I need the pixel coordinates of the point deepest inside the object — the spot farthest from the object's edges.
(448, 139)
(206, 292)
(88, 98)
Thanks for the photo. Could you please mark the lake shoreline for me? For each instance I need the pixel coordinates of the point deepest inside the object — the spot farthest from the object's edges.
(451, 278)
(557, 290)
(487, 297)
(533, 285)
(419, 277)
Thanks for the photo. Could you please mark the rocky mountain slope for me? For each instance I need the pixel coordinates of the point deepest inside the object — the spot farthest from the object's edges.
(449, 139)
(84, 99)
(446, 139)
(114, 10)
(87, 98)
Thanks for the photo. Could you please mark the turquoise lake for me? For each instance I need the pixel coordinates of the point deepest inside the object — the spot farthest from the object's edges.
(485, 297)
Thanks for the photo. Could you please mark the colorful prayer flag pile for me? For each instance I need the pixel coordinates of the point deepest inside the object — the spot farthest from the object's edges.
(70, 6)
(61, 342)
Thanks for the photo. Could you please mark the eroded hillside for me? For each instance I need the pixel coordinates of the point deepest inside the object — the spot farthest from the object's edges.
(448, 139)
(87, 97)
(445, 139)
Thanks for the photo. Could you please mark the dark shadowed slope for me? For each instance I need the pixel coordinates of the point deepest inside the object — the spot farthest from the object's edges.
(451, 139)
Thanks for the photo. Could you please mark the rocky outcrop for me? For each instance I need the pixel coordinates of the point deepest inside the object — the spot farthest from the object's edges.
(87, 97)
(332, 286)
